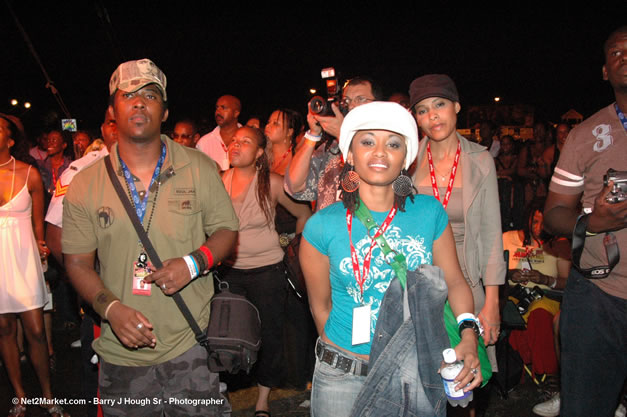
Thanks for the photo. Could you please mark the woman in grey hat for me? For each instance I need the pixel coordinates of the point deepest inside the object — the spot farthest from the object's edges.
(462, 175)
(346, 271)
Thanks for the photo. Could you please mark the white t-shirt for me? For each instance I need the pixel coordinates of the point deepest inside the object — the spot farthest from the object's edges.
(54, 215)
(213, 146)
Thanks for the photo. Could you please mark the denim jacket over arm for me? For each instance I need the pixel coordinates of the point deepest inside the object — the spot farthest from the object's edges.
(403, 379)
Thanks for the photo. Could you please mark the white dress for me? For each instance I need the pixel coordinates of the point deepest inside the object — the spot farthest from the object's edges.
(22, 285)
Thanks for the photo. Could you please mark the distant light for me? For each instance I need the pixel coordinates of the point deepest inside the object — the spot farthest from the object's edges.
(14, 102)
(27, 105)
(497, 99)
(312, 91)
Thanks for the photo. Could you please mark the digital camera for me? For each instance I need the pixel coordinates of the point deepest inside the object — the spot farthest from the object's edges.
(618, 192)
(318, 104)
(526, 296)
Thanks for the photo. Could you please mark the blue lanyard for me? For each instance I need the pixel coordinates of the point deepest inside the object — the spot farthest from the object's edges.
(621, 116)
(140, 207)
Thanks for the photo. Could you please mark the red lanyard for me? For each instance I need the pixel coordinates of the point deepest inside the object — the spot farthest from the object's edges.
(361, 278)
(451, 180)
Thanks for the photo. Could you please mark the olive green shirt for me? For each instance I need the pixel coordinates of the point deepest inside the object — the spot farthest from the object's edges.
(191, 204)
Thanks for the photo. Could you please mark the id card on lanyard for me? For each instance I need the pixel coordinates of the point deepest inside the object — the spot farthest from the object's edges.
(142, 267)
(362, 313)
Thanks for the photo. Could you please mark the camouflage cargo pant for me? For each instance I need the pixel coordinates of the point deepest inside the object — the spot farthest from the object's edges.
(182, 386)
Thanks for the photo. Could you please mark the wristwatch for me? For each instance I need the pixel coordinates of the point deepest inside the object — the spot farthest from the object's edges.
(469, 324)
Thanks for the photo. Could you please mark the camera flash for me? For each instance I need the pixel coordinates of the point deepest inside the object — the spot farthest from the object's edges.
(328, 72)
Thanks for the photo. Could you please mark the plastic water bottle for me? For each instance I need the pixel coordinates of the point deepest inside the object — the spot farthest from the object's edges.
(448, 372)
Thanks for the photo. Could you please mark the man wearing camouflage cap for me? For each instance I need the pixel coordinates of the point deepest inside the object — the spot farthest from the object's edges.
(150, 362)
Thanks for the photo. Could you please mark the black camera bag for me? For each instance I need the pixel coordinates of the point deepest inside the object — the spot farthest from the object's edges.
(234, 332)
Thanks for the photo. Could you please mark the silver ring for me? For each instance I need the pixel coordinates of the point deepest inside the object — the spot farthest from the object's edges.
(163, 286)
(474, 371)
(140, 326)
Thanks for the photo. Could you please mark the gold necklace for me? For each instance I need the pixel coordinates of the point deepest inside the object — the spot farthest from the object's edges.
(443, 177)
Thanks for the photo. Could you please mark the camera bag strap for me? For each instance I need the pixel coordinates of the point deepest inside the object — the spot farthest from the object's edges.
(201, 337)
(578, 241)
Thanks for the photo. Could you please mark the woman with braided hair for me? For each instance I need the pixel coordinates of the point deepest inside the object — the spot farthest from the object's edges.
(256, 269)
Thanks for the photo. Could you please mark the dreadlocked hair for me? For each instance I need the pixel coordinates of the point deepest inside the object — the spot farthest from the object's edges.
(351, 200)
(263, 176)
(291, 119)
(537, 204)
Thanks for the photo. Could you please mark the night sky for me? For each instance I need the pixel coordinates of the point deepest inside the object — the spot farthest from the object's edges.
(270, 55)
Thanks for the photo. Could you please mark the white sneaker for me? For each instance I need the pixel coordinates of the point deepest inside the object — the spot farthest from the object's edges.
(549, 408)
(621, 411)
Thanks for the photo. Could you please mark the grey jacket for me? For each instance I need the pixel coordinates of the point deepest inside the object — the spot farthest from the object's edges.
(483, 241)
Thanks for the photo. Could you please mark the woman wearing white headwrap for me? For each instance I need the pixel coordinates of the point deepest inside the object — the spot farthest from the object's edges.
(346, 272)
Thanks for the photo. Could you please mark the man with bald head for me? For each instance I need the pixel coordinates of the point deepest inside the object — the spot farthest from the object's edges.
(216, 142)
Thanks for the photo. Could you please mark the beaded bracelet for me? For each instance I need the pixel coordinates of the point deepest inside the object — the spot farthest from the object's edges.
(201, 261)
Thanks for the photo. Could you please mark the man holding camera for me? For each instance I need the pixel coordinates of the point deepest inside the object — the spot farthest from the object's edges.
(313, 174)
(150, 361)
(593, 324)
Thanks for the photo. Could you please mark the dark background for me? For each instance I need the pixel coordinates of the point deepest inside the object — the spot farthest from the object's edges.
(548, 56)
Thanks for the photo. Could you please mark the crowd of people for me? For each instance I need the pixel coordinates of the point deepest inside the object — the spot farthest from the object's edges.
(399, 218)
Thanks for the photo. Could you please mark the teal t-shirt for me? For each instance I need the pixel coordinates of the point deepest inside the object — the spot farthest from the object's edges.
(411, 232)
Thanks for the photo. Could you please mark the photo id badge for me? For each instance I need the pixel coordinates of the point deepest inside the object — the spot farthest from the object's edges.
(525, 265)
(141, 271)
(361, 325)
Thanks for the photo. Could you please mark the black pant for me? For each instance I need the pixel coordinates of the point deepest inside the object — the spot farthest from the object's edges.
(593, 335)
(266, 288)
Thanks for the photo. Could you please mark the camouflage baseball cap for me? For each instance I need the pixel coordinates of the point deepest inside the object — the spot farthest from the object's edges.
(130, 76)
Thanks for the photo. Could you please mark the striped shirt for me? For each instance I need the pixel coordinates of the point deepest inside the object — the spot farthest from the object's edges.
(594, 146)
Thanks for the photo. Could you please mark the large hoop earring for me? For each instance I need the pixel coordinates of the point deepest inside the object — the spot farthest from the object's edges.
(350, 181)
(403, 185)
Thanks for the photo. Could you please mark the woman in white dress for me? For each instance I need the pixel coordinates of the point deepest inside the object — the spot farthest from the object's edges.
(22, 287)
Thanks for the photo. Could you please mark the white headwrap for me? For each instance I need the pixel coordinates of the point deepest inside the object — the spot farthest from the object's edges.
(381, 115)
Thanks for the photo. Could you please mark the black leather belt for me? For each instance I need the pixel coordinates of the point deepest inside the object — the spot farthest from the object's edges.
(339, 361)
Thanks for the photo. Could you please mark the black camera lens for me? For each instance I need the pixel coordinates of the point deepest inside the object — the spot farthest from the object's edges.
(317, 105)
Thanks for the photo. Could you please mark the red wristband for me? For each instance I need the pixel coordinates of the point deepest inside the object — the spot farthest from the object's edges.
(208, 254)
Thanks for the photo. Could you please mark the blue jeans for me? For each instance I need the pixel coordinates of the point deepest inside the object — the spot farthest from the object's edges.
(333, 391)
(593, 331)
